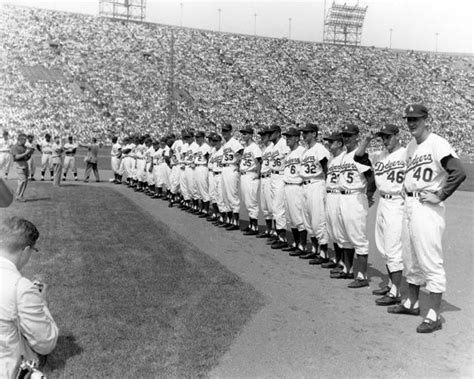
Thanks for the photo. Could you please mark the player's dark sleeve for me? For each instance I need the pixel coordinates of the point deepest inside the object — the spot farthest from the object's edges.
(371, 187)
(364, 159)
(38, 146)
(456, 176)
(324, 165)
(168, 160)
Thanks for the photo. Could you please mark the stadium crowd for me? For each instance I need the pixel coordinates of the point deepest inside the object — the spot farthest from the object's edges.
(121, 78)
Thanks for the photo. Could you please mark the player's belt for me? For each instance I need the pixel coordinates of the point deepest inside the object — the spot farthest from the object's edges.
(265, 175)
(388, 196)
(276, 172)
(413, 194)
(293, 184)
(333, 191)
(247, 172)
(70, 154)
(47, 152)
(227, 164)
(217, 173)
(348, 192)
(309, 181)
(201, 164)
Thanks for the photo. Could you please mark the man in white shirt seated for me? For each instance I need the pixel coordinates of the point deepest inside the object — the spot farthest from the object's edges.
(26, 326)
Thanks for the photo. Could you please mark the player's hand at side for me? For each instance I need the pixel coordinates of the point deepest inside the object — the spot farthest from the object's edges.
(429, 197)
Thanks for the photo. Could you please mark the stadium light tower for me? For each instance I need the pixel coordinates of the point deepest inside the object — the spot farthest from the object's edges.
(343, 24)
(181, 15)
(289, 28)
(436, 43)
(390, 43)
(123, 9)
(219, 11)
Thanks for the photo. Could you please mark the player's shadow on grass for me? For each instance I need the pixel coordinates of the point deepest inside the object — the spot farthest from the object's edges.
(445, 306)
(65, 348)
(33, 199)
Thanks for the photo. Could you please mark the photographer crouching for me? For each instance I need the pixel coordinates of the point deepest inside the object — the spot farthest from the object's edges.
(27, 329)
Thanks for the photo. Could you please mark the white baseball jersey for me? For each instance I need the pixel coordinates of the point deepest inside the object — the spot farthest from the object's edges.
(250, 155)
(424, 170)
(334, 170)
(70, 147)
(149, 153)
(218, 158)
(230, 148)
(211, 162)
(389, 170)
(293, 166)
(193, 148)
(352, 173)
(266, 159)
(176, 147)
(115, 151)
(183, 154)
(279, 152)
(311, 162)
(200, 154)
(46, 147)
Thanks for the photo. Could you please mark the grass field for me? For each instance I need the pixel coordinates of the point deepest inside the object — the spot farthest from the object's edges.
(130, 297)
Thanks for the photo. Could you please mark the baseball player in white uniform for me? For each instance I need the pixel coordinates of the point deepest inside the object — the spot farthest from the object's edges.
(70, 148)
(277, 163)
(215, 143)
(175, 157)
(294, 193)
(218, 167)
(183, 184)
(189, 174)
(46, 149)
(357, 187)
(201, 173)
(433, 173)
(335, 145)
(128, 162)
(389, 167)
(150, 180)
(265, 182)
(230, 176)
(5, 154)
(313, 172)
(250, 179)
(115, 158)
(31, 162)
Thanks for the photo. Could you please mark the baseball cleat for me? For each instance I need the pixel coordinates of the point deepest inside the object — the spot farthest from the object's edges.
(358, 283)
(232, 227)
(309, 255)
(341, 275)
(402, 310)
(297, 253)
(381, 291)
(263, 235)
(338, 268)
(329, 264)
(318, 260)
(279, 245)
(251, 233)
(429, 326)
(388, 300)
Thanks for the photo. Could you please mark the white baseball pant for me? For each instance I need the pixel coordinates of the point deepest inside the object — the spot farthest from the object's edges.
(278, 200)
(294, 206)
(423, 257)
(248, 189)
(201, 178)
(314, 210)
(230, 188)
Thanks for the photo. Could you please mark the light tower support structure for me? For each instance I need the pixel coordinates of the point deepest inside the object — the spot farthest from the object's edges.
(343, 24)
(130, 10)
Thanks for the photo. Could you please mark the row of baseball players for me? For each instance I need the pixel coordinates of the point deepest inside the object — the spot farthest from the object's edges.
(318, 192)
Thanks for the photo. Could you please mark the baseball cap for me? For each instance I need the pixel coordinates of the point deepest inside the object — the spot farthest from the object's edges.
(292, 132)
(333, 137)
(274, 128)
(309, 127)
(415, 110)
(227, 127)
(200, 134)
(350, 129)
(247, 130)
(388, 129)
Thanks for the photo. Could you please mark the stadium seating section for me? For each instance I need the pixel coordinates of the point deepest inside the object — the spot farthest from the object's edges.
(88, 76)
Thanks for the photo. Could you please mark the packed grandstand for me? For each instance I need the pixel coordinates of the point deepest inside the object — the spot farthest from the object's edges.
(89, 76)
